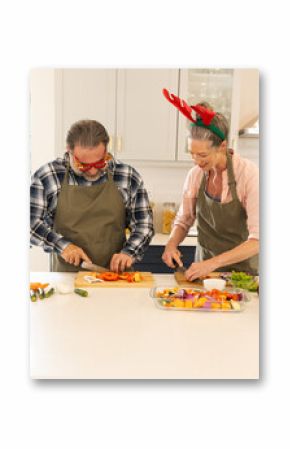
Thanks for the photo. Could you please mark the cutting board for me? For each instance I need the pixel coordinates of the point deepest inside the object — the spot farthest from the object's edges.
(182, 281)
(147, 281)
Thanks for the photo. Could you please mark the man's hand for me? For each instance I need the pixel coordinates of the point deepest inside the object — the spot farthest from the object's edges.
(74, 255)
(198, 269)
(120, 262)
(171, 256)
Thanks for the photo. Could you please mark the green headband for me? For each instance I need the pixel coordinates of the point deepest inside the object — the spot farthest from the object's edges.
(211, 127)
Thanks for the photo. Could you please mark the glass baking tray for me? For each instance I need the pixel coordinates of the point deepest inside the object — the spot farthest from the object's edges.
(158, 294)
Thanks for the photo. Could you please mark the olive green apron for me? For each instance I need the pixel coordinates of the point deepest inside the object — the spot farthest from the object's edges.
(222, 226)
(91, 217)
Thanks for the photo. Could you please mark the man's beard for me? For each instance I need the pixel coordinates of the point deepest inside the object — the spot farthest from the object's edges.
(80, 173)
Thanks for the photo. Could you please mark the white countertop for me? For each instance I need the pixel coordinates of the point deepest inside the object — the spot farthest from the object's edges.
(120, 334)
(162, 239)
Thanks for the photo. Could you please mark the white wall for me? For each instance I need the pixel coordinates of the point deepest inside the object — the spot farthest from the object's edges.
(42, 137)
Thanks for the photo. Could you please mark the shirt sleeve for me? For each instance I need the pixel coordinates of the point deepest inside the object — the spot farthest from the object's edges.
(41, 224)
(140, 220)
(186, 214)
(251, 201)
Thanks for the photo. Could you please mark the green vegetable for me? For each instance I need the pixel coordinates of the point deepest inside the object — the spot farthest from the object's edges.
(33, 296)
(244, 281)
(40, 292)
(81, 292)
(49, 293)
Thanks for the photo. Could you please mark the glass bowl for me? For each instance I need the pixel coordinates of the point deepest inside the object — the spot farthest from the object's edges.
(176, 298)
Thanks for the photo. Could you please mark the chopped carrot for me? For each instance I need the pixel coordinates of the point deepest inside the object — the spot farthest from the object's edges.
(37, 285)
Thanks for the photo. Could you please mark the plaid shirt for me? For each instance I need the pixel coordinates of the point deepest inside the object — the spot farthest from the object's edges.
(46, 185)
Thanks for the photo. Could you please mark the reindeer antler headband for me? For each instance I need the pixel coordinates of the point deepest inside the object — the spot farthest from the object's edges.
(205, 115)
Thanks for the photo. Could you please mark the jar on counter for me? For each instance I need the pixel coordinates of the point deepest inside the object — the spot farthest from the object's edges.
(168, 215)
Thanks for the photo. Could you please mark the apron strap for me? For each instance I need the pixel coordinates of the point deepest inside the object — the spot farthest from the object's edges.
(110, 176)
(202, 185)
(67, 167)
(231, 177)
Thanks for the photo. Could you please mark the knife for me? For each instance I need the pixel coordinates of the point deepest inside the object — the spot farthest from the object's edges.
(180, 269)
(93, 267)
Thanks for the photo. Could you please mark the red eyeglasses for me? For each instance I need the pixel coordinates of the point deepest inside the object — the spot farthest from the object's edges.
(82, 166)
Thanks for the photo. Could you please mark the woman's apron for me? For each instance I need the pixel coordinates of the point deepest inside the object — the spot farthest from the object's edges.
(91, 217)
(222, 226)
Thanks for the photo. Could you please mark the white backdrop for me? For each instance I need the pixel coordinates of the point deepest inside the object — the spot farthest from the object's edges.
(172, 414)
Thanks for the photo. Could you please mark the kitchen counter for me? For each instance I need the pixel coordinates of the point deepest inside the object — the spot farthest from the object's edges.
(120, 334)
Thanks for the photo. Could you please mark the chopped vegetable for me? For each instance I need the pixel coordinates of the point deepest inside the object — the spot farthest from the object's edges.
(33, 296)
(49, 293)
(188, 304)
(40, 292)
(137, 277)
(235, 305)
(81, 292)
(198, 299)
(109, 276)
(37, 285)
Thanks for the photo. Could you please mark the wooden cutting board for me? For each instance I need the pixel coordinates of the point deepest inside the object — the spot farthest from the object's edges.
(147, 281)
(182, 281)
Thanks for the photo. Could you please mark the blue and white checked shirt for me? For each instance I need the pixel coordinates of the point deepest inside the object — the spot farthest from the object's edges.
(46, 185)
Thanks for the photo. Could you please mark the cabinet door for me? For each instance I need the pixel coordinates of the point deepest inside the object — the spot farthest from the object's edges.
(85, 94)
(146, 123)
(196, 85)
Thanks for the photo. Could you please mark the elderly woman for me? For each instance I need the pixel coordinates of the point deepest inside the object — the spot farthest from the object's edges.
(221, 192)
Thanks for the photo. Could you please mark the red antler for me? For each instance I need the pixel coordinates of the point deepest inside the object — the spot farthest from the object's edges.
(181, 105)
(205, 114)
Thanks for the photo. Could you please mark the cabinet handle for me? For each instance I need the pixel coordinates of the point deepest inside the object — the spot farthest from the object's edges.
(111, 143)
(119, 144)
(187, 146)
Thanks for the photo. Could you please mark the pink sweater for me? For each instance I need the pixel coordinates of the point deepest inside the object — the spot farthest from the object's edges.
(247, 185)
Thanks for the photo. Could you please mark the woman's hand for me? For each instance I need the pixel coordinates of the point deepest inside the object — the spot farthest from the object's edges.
(74, 254)
(198, 269)
(171, 256)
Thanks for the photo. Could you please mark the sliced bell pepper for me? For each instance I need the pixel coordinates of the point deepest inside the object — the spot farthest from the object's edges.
(109, 276)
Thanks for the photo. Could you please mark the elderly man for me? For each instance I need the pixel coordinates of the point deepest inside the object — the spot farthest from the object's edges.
(81, 205)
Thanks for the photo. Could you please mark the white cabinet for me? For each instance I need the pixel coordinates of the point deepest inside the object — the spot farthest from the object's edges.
(85, 94)
(146, 123)
(142, 125)
(129, 103)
